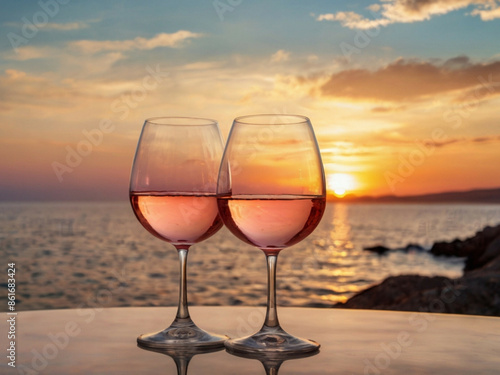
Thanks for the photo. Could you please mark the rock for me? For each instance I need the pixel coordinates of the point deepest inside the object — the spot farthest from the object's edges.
(472, 248)
(477, 292)
(487, 251)
(377, 249)
(453, 248)
(394, 293)
(489, 261)
(476, 295)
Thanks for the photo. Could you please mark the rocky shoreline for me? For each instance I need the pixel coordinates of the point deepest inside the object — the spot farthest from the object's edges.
(476, 292)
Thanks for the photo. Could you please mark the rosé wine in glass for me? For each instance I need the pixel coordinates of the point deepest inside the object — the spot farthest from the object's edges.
(180, 219)
(271, 223)
(271, 193)
(173, 194)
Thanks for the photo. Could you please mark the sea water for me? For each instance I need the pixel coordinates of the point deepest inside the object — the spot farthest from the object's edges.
(95, 254)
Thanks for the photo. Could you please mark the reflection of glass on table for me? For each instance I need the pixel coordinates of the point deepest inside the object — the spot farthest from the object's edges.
(181, 356)
(273, 361)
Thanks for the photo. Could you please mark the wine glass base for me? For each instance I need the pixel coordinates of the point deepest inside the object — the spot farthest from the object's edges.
(271, 341)
(182, 335)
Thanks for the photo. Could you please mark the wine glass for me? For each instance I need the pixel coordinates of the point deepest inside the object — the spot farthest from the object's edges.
(271, 194)
(172, 191)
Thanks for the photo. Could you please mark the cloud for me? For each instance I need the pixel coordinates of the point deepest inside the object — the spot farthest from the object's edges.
(405, 11)
(409, 80)
(353, 20)
(487, 14)
(67, 62)
(420, 10)
(79, 25)
(90, 47)
(30, 53)
(280, 55)
(383, 109)
(15, 74)
(20, 89)
(446, 142)
(66, 26)
(173, 40)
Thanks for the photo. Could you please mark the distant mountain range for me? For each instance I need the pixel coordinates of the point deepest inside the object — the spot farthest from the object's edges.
(470, 196)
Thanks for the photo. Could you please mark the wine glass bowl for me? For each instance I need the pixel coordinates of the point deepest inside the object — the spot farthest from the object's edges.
(173, 194)
(271, 194)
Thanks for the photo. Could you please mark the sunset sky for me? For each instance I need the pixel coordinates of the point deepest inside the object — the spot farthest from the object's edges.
(404, 96)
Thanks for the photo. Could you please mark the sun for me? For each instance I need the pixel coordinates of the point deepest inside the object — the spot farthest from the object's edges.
(340, 183)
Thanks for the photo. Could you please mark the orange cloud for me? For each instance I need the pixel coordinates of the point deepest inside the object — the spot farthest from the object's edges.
(410, 11)
(442, 143)
(405, 80)
(21, 90)
(406, 11)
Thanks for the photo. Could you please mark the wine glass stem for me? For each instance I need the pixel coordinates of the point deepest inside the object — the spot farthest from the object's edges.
(271, 313)
(182, 309)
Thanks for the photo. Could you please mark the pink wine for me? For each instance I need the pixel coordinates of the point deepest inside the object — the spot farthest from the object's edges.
(271, 222)
(178, 219)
